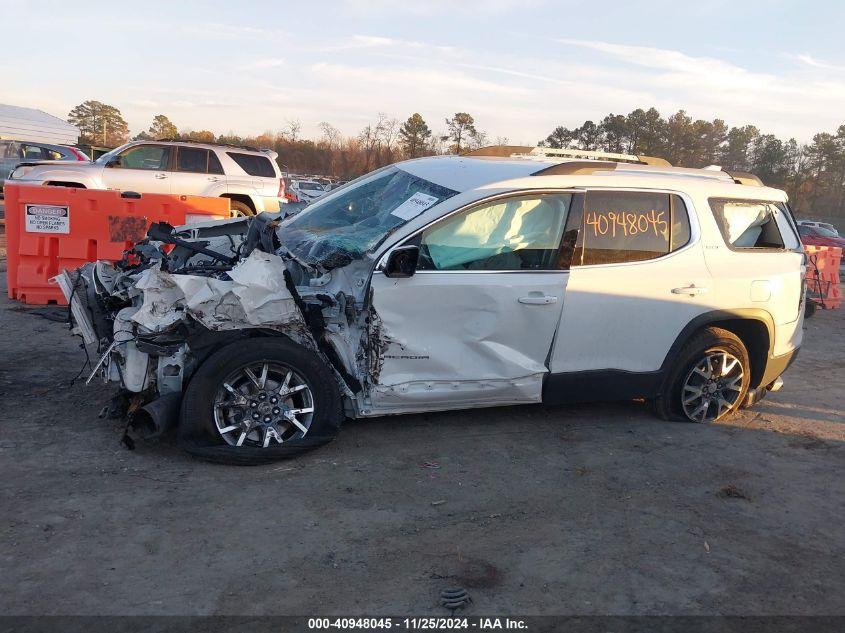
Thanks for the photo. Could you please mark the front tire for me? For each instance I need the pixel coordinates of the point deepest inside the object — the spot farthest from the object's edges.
(259, 400)
(708, 381)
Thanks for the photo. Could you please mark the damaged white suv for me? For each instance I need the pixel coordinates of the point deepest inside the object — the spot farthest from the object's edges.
(508, 276)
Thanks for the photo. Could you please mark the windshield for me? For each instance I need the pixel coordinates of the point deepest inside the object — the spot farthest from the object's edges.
(826, 232)
(108, 155)
(346, 223)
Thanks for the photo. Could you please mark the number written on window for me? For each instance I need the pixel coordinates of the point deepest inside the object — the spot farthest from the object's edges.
(625, 226)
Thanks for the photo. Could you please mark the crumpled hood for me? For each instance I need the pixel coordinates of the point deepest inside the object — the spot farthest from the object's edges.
(254, 296)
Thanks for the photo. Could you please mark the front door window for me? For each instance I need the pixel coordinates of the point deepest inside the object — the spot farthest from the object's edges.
(151, 157)
(521, 233)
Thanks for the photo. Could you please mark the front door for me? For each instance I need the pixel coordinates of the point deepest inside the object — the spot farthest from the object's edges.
(474, 325)
(142, 168)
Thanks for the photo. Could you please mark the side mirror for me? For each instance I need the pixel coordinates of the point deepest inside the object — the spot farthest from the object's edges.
(402, 262)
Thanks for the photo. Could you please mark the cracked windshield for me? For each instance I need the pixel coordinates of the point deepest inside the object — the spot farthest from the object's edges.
(343, 226)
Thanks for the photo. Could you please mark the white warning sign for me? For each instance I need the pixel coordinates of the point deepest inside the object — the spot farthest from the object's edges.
(47, 218)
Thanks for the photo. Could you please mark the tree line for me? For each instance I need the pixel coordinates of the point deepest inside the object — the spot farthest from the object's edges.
(813, 174)
(379, 143)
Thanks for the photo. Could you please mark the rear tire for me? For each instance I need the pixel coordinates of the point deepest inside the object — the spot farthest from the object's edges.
(240, 209)
(202, 429)
(712, 371)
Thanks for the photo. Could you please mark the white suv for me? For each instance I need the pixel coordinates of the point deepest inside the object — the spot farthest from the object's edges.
(249, 177)
(508, 276)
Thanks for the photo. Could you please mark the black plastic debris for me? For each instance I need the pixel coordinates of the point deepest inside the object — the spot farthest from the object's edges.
(454, 598)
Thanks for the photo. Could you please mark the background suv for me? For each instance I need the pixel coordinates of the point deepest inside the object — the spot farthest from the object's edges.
(13, 153)
(249, 177)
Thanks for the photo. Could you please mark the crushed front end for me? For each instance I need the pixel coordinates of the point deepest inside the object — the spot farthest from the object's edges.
(181, 294)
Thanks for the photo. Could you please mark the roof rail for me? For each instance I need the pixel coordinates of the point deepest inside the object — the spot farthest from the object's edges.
(565, 152)
(500, 151)
(577, 168)
(184, 140)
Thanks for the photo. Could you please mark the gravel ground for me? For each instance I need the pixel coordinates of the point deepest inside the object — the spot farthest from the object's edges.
(596, 509)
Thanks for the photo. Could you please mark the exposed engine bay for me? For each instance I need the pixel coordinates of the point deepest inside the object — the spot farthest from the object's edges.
(180, 294)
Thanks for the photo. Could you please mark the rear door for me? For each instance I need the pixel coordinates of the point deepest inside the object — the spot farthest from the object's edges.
(638, 277)
(197, 173)
(474, 325)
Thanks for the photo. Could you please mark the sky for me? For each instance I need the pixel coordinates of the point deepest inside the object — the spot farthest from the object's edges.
(520, 67)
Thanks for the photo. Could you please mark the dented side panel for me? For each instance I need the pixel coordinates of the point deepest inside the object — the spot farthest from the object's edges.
(444, 339)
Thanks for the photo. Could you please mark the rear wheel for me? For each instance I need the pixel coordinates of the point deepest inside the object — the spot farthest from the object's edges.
(259, 400)
(240, 209)
(709, 380)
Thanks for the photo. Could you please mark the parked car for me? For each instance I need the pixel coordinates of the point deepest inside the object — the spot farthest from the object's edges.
(454, 282)
(309, 190)
(819, 236)
(249, 177)
(13, 153)
(816, 224)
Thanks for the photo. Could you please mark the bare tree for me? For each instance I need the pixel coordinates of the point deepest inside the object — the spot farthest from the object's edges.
(331, 135)
(368, 139)
(292, 129)
(389, 129)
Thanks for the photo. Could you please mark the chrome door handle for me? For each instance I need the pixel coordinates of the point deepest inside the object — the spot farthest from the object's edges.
(538, 300)
(213, 178)
(690, 290)
(161, 176)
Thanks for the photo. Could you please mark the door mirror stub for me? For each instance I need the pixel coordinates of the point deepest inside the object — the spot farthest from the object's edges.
(402, 262)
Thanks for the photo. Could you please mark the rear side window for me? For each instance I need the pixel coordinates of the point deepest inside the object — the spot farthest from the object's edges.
(511, 234)
(214, 166)
(629, 226)
(253, 165)
(33, 152)
(754, 224)
(192, 159)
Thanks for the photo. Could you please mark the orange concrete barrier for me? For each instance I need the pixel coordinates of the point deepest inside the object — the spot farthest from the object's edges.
(49, 229)
(823, 275)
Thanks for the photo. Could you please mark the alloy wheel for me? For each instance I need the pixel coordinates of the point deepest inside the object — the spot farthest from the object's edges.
(261, 403)
(712, 387)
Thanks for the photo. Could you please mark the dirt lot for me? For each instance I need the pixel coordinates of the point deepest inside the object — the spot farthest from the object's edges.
(537, 510)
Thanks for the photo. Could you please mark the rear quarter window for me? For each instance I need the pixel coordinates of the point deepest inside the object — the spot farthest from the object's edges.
(754, 224)
(253, 165)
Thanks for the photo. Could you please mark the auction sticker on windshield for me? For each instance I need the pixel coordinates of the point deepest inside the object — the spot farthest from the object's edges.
(47, 218)
(414, 205)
